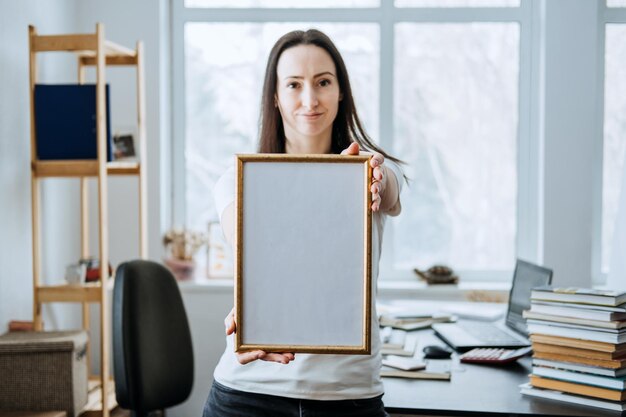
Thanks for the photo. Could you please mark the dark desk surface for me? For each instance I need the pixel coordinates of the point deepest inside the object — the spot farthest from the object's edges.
(475, 390)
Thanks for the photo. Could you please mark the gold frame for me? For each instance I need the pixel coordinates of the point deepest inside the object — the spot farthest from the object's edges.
(365, 348)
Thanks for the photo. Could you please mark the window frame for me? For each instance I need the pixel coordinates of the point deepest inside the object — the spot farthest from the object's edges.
(607, 15)
(529, 167)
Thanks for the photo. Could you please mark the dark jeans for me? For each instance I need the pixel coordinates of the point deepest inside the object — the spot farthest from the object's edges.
(228, 402)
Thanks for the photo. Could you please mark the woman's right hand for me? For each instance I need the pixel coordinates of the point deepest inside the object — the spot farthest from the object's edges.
(247, 357)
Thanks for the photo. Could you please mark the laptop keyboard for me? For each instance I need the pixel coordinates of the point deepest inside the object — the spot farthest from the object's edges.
(488, 333)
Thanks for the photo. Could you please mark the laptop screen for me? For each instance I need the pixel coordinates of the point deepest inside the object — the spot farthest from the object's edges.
(526, 277)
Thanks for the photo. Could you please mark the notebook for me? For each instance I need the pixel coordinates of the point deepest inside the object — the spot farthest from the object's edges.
(509, 333)
(65, 121)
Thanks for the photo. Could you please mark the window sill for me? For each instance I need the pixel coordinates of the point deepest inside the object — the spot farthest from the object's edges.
(465, 291)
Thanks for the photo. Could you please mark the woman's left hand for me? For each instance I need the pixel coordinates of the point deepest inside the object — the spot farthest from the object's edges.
(377, 188)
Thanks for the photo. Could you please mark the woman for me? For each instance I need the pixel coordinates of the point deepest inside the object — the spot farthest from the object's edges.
(307, 108)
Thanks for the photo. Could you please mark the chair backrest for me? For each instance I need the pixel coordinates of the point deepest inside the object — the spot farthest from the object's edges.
(152, 349)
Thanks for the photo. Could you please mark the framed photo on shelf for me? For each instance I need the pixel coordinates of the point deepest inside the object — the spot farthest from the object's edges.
(303, 253)
(124, 144)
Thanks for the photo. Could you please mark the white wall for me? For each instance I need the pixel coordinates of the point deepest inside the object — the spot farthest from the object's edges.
(571, 137)
(55, 16)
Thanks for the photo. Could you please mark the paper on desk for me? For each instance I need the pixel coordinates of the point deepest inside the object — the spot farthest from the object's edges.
(482, 311)
(387, 372)
(408, 309)
(403, 312)
(403, 363)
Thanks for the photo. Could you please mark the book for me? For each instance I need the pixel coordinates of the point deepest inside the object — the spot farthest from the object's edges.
(576, 333)
(574, 320)
(404, 364)
(387, 372)
(581, 353)
(407, 315)
(412, 323)
(21, 326)
(486, 312)
(621, 308)
(579, 367)
(529, 390)
(611, 364)
(617, 383)
(577, 343)
(65, 121)
(424, 324)
(576, 326)
(408, 349)
(392, 338)
(589, 312)
(579, 295)
(580, 389)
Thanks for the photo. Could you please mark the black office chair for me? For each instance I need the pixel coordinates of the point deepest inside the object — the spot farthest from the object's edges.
(152, 349)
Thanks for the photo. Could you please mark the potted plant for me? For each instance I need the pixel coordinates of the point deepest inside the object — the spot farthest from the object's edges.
(181, 246)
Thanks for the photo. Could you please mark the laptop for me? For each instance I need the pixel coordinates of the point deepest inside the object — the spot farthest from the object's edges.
(508, 333)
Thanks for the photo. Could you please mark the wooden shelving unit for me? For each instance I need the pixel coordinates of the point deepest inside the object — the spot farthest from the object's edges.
(78, 168)
(94, 403)
(92, 50)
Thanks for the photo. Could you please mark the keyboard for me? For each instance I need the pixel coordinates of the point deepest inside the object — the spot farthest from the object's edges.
(489, 333)
(494, 356)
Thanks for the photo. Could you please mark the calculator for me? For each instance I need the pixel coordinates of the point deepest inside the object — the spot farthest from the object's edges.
(496, 356)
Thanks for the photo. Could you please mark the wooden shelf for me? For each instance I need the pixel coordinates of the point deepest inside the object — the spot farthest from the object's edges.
(72, 43)
(91, 50)
(83, 44)
(113, 49)
(114, 55)
(93, 407)
(109, 60)
(89, 293)
(82, 168)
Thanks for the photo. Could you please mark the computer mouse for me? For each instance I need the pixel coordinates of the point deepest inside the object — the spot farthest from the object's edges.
(436, 352)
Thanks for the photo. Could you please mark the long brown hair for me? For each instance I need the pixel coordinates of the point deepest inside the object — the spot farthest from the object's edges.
(347, 127)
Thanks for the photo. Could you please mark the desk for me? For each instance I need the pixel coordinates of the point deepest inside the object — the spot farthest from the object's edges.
(475, 390)
(33, 414)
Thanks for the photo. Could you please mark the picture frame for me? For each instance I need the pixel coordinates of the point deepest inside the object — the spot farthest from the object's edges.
(303, 253)
(124, 146)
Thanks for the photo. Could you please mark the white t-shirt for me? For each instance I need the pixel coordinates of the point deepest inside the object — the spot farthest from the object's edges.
(309, 376)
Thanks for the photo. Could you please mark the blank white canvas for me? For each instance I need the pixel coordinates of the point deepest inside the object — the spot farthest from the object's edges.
(303, 253)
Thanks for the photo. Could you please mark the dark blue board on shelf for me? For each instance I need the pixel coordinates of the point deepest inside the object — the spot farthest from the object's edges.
(65, 121)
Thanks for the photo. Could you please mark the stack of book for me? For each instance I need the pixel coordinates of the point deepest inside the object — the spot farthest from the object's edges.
(579, 342)
(398, 348)
(397, 342)
(412, 321)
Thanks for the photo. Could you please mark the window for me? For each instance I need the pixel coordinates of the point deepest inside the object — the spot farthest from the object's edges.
(614, 145)
(443, 88)
(455, 121)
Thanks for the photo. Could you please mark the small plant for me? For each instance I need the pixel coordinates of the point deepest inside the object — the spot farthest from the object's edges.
(183, 244)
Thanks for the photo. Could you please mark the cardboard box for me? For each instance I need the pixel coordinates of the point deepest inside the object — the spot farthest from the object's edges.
(43, 371)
